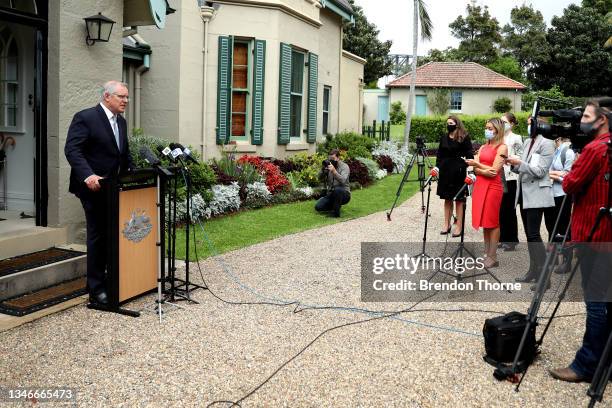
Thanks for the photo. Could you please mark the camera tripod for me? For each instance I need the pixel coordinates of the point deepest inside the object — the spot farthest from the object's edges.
(421, 158)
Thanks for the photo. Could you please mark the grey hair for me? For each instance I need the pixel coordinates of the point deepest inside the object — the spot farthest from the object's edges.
(110, 87)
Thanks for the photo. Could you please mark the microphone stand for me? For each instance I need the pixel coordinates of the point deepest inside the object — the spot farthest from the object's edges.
(424, 254)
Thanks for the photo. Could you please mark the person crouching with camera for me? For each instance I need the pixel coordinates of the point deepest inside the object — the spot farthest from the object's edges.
(588, 181)
(336, 175)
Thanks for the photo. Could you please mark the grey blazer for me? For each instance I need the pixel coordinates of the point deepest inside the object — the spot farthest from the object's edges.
(533, 174)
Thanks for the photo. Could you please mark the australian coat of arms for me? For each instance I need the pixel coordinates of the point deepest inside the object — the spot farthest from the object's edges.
(138, 227)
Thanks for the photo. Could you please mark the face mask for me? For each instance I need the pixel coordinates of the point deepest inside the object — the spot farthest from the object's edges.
(451, 128)
(588, 128)
(489, 134)
(507, 126)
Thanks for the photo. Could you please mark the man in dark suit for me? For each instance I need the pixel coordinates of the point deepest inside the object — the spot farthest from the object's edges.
(97, 148)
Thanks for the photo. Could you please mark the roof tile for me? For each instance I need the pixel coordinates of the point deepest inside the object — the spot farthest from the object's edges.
(456, 75)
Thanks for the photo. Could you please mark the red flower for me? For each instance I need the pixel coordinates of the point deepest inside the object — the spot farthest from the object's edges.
(275, 179)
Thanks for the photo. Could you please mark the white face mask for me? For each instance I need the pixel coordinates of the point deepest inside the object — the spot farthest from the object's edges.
(507, 126)
(489, 134)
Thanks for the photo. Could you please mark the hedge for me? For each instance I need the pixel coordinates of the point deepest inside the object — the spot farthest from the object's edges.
(432, 127)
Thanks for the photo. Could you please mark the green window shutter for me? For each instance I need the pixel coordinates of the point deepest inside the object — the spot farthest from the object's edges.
(313, 79)
(224, 90)
(284, 94)
(259, 69)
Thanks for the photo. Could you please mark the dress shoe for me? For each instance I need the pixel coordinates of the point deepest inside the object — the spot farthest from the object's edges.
(100, 298)
(509, 247)
(562, 269)
(526, 279)
(566, 374)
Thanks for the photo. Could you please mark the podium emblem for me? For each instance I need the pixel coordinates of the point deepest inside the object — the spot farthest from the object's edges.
(138, 227)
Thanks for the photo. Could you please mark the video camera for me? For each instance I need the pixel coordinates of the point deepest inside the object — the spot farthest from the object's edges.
(566, 123)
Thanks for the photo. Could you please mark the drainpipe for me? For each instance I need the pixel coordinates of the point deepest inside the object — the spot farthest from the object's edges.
(137, 87)
(206, 14)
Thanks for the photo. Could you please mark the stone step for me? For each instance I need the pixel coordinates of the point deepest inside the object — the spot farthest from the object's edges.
(32, 239)
(31, 280)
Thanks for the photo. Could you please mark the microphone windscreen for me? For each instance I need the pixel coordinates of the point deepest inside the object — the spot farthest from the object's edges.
(160, 149)
(148, 156)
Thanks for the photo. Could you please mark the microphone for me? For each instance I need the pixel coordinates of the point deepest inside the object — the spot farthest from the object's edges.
(186, 152)
(433, 173)
(469, 180)
(165, 151)
(176, 152)
(152, 159)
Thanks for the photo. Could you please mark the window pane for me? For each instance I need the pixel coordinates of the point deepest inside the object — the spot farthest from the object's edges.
(325, 120)
(295, 116)
(239, 102)
(238, 124)
(5, 3)
(326, 92)
(11, 119)
(240, 79)
(297, 72)
(241, 54)
(11, 97)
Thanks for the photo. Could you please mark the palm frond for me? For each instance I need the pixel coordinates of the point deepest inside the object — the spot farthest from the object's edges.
(425, 20)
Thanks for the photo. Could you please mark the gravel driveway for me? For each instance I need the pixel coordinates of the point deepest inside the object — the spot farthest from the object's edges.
(217, 351)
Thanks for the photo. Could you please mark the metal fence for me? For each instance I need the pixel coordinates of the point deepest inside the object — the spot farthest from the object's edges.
(378, 132)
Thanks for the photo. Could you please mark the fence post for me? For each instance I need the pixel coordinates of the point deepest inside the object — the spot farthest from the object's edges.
(388, 131)
(382, 131)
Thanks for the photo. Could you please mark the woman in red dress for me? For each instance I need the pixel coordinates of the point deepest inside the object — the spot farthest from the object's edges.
(488, 189)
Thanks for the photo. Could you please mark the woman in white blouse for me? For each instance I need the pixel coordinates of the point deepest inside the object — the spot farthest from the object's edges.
(507, 213)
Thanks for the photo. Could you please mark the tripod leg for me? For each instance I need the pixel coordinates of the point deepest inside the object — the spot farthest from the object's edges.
(401, 186)
(602, 375)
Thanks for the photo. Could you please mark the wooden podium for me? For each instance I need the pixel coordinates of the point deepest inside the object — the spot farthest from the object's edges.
(133, 237)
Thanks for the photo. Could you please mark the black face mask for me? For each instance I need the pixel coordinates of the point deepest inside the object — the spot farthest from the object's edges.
(451, 128)
(589, 129)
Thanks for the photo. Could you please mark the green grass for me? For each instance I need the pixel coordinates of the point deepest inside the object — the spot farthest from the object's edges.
(251, 227)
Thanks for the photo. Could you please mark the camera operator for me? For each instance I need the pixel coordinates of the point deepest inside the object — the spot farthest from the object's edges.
(588, 182)
(534, 194)
(336, 173)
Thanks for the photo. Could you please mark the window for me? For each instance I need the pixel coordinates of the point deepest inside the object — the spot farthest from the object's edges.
(297, 92)
(9, 81)
(326, 98)
(27, 6)
(240, 91)
(456, 100)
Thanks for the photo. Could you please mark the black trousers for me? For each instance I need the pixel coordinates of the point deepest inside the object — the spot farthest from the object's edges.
(94, 205)
(333, 201)
(551, 213)
(532, 220)
(508, 223)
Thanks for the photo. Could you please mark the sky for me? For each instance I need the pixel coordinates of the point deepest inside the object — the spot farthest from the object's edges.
(393, 18)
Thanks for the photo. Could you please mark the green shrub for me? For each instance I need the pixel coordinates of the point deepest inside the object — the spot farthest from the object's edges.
(354, 144)
(439, 101)
(203, 177)
(397, 115)
(432, 127)
(371, 165)
(139, 139)
(502, 105)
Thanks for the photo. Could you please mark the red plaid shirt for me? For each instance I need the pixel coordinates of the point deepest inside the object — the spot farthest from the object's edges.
(587, 181)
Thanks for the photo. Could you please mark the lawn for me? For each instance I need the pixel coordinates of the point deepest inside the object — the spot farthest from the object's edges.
(254, 226)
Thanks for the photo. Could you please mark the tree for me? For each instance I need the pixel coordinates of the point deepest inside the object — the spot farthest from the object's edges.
(576, 60)
(439, 101)
(450, 54)
(479, 35)
(361, 39)
(420, 17)
(397, 115)
(502, 105)
(509, 67)
(525, 37)
(602, 6)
